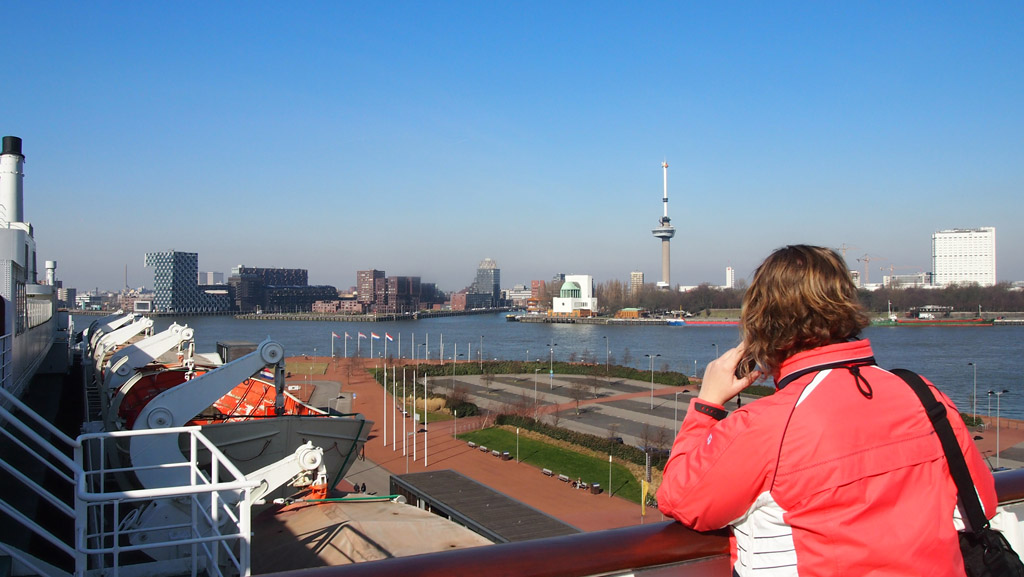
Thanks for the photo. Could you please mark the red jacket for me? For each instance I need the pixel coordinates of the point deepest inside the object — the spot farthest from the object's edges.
(831, 475)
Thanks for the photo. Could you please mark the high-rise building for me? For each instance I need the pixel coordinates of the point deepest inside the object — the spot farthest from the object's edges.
(176, 288)
(964, 255)
(365, 280)
(730, 278)
(488, 282)
(636, 283)
(175, 283)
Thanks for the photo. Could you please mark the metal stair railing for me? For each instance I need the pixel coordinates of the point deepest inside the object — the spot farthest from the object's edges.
(213, 540)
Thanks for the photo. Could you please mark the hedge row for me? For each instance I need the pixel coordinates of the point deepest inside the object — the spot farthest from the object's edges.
(618, 450)
(523, 367)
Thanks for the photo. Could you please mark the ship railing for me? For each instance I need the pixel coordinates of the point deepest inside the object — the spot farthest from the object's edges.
(6, 361)
(215, 533)
(657, 549)
(212, 538)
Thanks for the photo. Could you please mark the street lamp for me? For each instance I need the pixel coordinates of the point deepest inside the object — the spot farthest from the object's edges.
(974, 398)
(535, 371)
(716, 349)
(455, 432)
(675, 417)
(551, 365)
(607, 354)
(481, 353)
(997, 395)
(652, 357)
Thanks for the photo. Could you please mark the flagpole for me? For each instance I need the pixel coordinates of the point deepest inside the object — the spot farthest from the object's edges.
(394, 384)
(332, 345)
(415, 428)
(405, 437)
(384, 431)
(426, 432)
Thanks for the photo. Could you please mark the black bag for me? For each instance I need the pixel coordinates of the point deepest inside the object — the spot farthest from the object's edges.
(988, 554)
(986, 551)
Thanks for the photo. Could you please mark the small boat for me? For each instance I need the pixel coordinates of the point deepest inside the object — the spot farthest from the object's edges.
(701, 323)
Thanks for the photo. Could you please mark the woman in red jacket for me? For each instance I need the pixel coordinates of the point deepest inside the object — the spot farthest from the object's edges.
(839, 472)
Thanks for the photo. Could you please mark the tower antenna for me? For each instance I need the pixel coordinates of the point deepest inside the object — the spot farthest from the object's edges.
(665, 232)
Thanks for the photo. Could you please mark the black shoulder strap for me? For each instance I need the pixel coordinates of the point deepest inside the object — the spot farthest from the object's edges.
(954, 456)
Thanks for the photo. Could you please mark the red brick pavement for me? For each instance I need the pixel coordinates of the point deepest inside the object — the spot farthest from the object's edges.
(520, 481)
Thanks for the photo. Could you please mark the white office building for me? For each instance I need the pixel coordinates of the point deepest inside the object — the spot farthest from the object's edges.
(730, 277)
(576, 298)
(636, 283)
(963, 256)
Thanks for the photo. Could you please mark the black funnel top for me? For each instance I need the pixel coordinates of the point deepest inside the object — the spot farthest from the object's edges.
(12, 145)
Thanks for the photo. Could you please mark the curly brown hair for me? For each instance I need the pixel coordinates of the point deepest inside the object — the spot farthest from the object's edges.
(802, 297)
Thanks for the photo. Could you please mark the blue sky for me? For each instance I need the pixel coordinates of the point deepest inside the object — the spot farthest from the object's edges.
(420, 138)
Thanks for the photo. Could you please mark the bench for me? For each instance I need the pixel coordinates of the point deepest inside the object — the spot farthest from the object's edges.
(563, 478)
(496, 453)
(547, 472)
(472, 445)
(506, 456)
(483, 448)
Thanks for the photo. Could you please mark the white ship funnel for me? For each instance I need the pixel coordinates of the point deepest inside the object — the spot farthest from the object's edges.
(12, 176)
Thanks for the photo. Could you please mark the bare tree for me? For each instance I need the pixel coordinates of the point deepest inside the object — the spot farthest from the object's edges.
(627, 358)
(521, 406)
(613, 432)
(577, 390)
(555, 418)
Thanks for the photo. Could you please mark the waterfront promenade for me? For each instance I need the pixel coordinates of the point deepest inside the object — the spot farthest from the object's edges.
(626, 404)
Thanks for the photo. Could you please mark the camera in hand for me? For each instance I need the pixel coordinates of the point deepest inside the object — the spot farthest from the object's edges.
(745, 367)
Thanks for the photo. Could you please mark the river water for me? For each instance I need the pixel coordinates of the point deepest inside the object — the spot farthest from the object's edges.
(941, 354)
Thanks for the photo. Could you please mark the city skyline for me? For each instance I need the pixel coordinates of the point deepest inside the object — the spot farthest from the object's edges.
(422, 139)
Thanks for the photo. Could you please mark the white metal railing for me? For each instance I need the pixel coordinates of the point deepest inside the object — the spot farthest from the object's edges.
(208, 535)
(6, 361)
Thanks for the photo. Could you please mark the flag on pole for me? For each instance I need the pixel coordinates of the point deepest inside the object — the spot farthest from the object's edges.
(335, 335)
(644, 487)
(362, 336)
(388, 337)
(347, 336)
(374, 336)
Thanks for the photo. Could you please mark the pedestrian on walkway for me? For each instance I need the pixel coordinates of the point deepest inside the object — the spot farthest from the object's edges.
(838, 471)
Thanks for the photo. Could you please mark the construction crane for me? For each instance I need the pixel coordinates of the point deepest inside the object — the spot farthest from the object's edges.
(866, 259)
(843, 248)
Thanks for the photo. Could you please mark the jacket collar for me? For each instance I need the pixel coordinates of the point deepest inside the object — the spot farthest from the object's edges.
(829, 356)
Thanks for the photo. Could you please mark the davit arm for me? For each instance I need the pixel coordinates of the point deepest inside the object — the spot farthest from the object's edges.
(124, 363)
(179, 405)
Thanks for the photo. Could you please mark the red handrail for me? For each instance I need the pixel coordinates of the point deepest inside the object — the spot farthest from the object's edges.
(583, 554)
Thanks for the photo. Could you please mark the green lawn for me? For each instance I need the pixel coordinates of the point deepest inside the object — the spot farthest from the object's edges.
(560, 461)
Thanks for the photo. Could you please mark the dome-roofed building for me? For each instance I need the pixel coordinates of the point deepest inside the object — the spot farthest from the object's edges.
(576, 298)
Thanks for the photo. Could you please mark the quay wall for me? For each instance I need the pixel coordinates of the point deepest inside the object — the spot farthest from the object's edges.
(370, 318)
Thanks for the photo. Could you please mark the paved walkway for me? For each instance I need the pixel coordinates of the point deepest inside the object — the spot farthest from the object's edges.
(520, 481)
